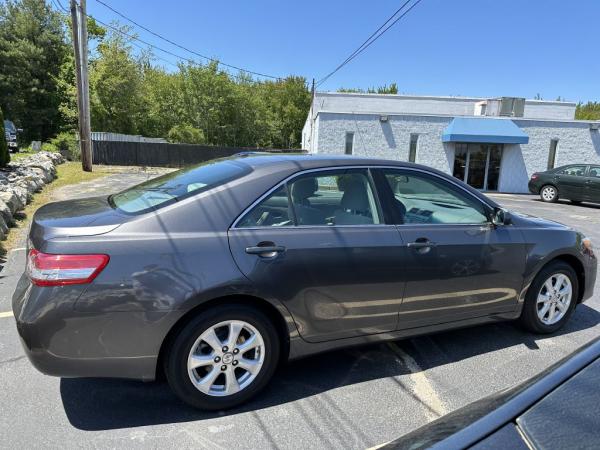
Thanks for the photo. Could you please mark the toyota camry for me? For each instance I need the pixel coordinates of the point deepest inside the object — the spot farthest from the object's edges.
(213, 275)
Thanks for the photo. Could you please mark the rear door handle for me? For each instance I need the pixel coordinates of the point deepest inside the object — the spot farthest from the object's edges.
(421, 245)
(265, 251)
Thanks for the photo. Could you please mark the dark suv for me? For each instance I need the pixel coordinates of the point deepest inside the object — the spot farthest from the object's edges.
(576, 182)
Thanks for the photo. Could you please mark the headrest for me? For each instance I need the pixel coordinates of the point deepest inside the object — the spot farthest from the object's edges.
(304, 188)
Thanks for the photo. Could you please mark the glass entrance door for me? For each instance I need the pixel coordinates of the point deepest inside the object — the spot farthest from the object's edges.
(478, 165)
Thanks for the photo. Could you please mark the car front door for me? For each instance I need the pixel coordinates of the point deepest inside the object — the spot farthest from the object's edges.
(458, 264)
(570, 182)
(319, 245)
(591, 192)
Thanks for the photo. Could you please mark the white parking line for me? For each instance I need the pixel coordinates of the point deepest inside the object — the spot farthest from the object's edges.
(6, 314)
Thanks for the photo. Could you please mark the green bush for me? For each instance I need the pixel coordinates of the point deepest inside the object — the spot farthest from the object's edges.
(186, 134)
(49, 147)
(67, 144)
(4, 154)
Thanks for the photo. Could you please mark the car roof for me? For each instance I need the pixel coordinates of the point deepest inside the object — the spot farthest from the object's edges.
(313, 160)
(300, 162)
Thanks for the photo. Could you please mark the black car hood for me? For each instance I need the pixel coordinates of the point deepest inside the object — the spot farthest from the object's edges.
(525, 220)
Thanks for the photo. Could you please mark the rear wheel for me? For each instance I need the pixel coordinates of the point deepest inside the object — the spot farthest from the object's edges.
(549, 193)
(551, 298)
(223, 357)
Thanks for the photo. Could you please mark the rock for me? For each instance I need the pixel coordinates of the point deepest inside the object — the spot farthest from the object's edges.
(3, 228)
(6, 213)
(11, 200)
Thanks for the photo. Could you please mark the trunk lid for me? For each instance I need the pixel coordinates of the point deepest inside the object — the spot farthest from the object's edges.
(79, 217)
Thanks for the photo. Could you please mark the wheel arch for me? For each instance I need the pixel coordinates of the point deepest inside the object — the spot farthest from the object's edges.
(273, 313)
(577, 266)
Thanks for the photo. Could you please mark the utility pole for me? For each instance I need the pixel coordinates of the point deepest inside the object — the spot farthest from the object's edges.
(80, 40)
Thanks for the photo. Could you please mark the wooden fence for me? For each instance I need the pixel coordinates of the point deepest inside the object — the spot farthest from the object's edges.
(118, 153)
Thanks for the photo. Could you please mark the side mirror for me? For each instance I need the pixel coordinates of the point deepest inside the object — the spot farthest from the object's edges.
(501, 217)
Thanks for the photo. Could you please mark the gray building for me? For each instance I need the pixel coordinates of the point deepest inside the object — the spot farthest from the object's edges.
(493, 144)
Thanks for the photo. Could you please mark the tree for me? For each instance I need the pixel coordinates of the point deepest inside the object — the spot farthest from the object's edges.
(116, 94)
(588, 111)
(4, 154)
(32, 49)
(186, 134)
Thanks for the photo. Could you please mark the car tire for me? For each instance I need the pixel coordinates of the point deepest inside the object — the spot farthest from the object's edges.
(533, 317)
(219, 319)
(549, 193)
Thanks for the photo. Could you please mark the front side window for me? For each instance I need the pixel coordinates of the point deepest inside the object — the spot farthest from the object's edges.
(423, 199)
(575, 171)
(594, 171)
(174, 186)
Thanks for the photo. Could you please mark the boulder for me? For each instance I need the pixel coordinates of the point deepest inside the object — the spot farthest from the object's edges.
(11, 200)
(6, 213)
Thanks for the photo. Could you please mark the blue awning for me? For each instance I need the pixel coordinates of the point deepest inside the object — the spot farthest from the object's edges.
(485, 130)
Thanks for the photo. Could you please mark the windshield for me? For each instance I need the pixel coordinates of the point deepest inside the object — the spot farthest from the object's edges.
(177, 185)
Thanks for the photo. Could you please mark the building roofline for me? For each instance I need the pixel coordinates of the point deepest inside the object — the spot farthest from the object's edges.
(452, 116)
(433, 97)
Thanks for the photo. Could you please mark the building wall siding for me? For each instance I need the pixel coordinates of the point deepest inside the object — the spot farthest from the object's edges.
(391, 140)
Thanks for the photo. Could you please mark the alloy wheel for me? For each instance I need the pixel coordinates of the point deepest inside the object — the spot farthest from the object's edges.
(548, 193)
(226, 358)
(554, 298)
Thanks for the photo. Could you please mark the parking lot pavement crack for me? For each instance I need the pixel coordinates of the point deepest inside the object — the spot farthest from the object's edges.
(11, 360)
(423, 389)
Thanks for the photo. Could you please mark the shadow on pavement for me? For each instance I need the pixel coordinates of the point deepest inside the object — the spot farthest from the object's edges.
(102, 404)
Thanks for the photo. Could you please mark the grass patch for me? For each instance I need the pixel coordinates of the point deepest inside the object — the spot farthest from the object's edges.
(67, 173)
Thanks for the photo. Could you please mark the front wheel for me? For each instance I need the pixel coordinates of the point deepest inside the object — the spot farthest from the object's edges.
(551, 298)
(223, 357)
(549, 194)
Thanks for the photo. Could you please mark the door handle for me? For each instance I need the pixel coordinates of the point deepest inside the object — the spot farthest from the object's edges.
(421, 245)
(265, 251)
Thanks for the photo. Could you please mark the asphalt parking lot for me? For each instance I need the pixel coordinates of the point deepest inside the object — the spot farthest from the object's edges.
(355, 398)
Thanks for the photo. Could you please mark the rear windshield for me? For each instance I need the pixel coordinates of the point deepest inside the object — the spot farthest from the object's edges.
(170, 188)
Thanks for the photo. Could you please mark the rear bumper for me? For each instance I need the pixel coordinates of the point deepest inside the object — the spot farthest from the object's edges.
(60, 341)
(533, 187)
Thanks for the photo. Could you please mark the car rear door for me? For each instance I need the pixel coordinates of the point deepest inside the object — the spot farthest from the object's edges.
(327, 255)
(570, 182)
(591, 192)
(458, 265)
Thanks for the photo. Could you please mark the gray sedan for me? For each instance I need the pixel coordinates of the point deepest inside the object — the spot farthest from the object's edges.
(213, 275)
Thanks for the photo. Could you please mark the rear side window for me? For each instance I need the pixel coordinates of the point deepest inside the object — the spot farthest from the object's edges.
(575, 171)
(274, 211)
(336, 197)
(177, 185)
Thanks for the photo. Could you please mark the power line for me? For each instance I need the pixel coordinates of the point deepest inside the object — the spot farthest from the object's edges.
(374, 36)
(369, 38)
(148, 44)
(181, 46)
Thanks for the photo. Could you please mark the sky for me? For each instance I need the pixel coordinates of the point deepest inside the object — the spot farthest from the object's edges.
(483, 48)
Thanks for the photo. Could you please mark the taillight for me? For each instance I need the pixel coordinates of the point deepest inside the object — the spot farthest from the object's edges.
(56, 270)
(534, 176)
